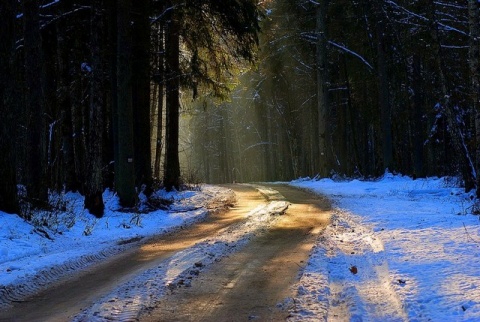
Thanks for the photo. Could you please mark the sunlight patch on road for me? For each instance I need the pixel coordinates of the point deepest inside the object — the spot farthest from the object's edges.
(142, 292)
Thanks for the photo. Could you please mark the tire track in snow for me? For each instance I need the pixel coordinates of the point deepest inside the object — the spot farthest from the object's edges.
(142, 292)
(355, 284)
(256, 282)
(31, 285)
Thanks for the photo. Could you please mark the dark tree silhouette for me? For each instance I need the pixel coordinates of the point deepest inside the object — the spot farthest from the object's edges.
(8, 182)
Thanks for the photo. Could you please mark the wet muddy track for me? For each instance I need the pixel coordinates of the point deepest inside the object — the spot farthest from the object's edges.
(246, 285)
(256, 282)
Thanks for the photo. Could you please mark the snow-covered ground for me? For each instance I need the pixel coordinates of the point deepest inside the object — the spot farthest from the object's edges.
(32, 256)
(397, 250)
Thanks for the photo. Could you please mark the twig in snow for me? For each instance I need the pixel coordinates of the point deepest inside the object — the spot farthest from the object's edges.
(470, 236)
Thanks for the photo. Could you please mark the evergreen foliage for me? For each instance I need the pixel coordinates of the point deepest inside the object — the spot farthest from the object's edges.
(338, 87)
(77, 101)
(393, 81)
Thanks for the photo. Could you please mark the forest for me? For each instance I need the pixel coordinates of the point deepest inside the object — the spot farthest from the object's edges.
(349, 88)
(135, 95)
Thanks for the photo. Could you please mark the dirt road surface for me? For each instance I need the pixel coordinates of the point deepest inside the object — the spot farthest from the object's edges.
(250, 284)
(255, 283)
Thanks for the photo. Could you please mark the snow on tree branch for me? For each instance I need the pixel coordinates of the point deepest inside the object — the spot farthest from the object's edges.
(348, 51)
(415, 15)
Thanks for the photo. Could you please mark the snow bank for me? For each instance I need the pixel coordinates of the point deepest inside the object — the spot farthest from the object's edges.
(397, 250)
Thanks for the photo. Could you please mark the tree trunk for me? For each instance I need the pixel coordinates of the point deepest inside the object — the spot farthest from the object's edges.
(8, 182)
(77, 113)
(110, 147)
(473, 53)
(124, 158)
(225, 168)
(271, 163)
(68, 177)
(161, 86)
(172, 59)
(54, 139)
(417, 113)
(383, 93)
(94, 179)
(458, 140)
(37, 189)
(352, 123)
(141, 95)
(322, 90)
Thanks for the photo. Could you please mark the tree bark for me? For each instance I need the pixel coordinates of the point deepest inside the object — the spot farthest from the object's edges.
(352, 123)
(172, 59)
(383, 93)
(473, 53)
(94, 179)
(54, 119)
(124, 158)
(37, 188)
(225, 167)
(68, 175)
(77, 114)
(110, 148)
(8, 182)
(417, 114)
(141, 95)
(161, 87)
(458, 141)
(322, 89)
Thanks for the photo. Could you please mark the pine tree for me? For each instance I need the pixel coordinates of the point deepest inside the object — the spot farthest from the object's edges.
(123, 113)
(212, 55)
(8, 182)
(94, 178)
(37, 188)
(322, 89)
(141, 94)
(172, 86)
(474, 52)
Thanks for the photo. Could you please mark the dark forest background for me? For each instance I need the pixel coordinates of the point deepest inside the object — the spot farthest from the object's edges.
(86, 84)
(349, 88)
(134, 95)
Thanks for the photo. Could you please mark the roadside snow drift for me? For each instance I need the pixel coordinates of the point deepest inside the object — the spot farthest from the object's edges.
(397, 250)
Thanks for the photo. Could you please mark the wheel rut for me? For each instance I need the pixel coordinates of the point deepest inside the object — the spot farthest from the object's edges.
(68, 297)
(253, 282)
(256, 282)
